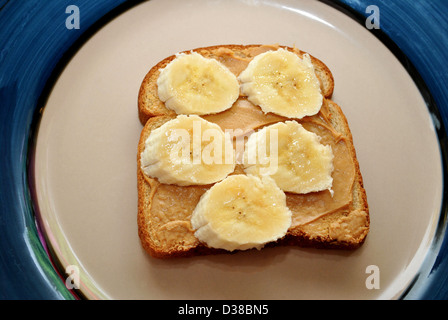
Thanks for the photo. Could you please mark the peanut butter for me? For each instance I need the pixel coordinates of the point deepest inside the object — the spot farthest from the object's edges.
(167, 215)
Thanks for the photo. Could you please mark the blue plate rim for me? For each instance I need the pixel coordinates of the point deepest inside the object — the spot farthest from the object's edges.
(49, 284)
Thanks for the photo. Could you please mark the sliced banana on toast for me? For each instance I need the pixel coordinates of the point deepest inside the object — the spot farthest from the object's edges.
(241, 212)
(292, 156)
(279, 190)
(188, 150)
(282, 83)
(193, 84)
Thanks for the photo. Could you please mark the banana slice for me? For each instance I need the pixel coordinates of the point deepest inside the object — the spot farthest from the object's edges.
(241, 212)
(292, 156)
(188, 150)
(192, 84)
(282, 83)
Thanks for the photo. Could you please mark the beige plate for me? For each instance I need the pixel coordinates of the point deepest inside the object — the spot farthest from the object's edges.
(87, 142)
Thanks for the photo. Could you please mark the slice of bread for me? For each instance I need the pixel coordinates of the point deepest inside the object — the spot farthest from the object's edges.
(325, 219)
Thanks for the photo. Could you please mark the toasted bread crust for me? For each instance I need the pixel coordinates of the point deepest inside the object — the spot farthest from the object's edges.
(316, 234)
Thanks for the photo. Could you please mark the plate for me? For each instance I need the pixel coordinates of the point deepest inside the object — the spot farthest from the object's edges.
(86, 149)
(83, 165)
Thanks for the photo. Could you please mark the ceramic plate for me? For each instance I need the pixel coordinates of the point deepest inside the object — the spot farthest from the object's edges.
(83, 161)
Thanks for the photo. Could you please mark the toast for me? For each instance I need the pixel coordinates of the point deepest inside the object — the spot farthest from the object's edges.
(337, 219)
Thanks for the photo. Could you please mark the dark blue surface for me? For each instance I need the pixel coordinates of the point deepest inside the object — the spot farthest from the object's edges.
(35, 44)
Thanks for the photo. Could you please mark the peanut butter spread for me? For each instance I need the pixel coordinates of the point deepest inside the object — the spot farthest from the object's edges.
(172, 221)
